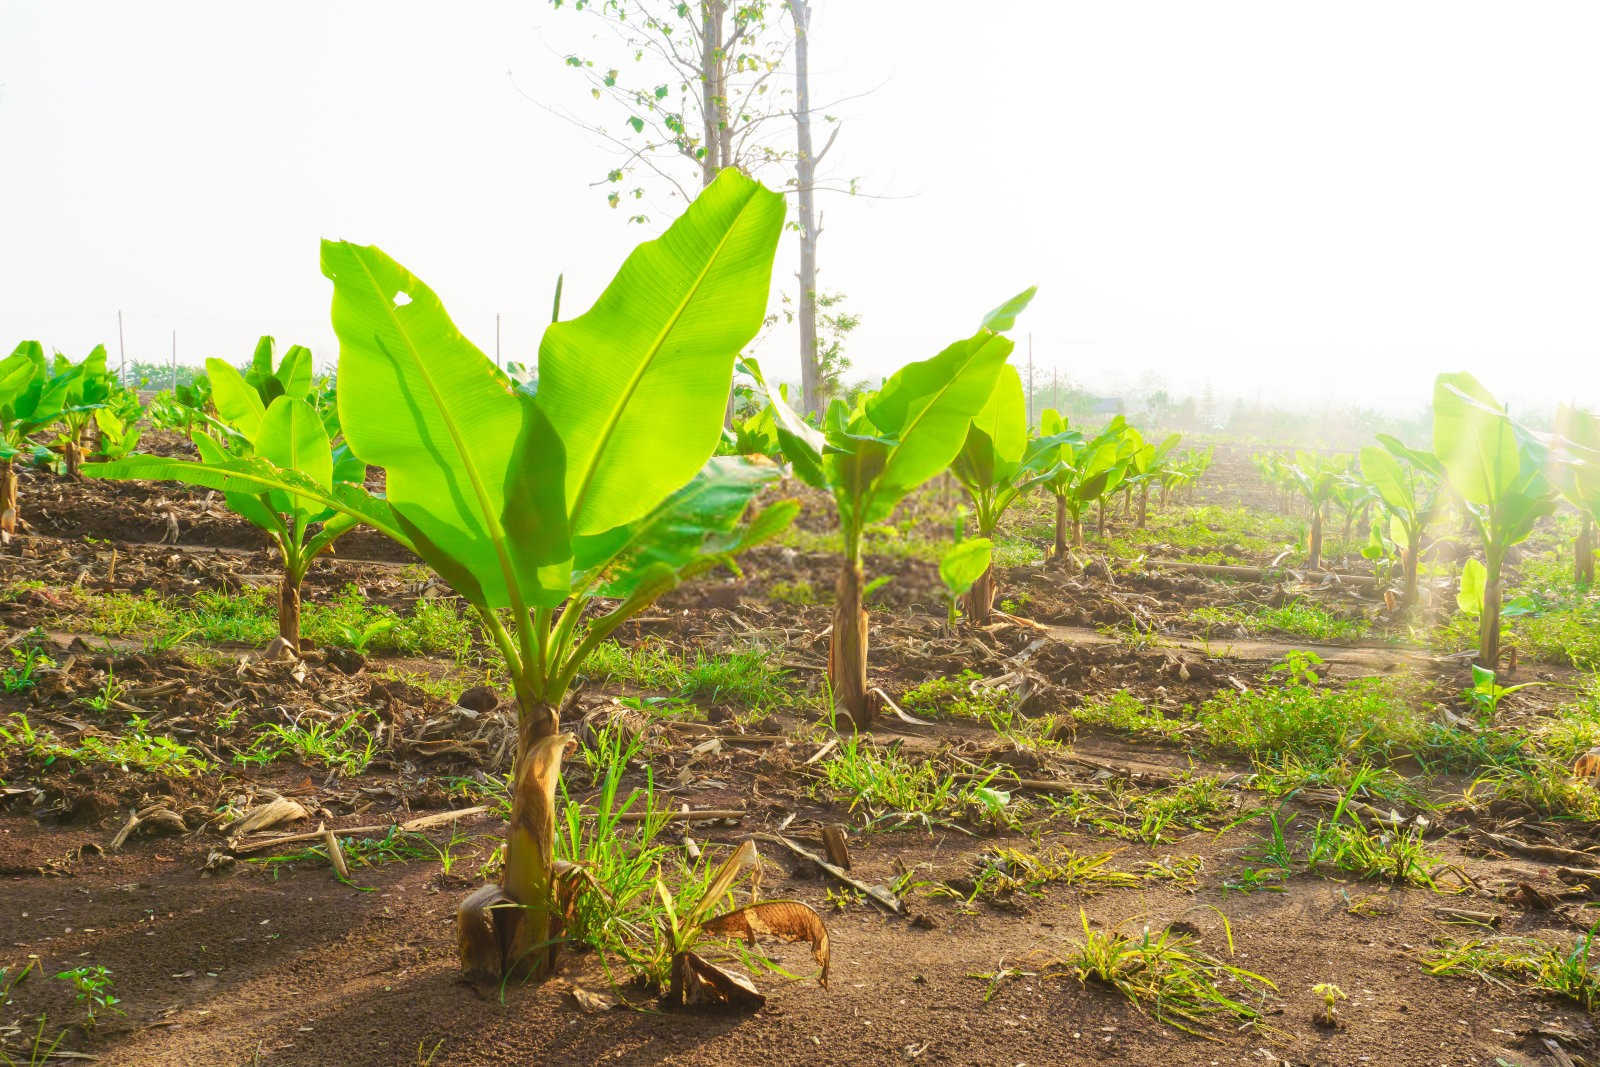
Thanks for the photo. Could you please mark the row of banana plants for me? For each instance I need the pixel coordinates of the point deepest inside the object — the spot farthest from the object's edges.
(1500, 474)
(56, 413)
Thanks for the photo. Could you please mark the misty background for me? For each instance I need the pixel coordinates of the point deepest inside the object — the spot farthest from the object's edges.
(1306, 206)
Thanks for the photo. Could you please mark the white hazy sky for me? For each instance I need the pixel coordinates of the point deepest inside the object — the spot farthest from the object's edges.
(1323, 202)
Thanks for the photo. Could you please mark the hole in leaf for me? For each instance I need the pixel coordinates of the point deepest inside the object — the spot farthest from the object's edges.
(402, 299)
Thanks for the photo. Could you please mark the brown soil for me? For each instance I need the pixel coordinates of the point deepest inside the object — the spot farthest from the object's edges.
(218, 960)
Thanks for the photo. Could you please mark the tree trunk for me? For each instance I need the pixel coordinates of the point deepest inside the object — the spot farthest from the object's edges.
(805, 170)
(8, 501)
(289, 611)
(847, 648)
(1583, 569)
(1144, 502)
(1060, 553)
(530, 939)
(710, 47)
(1314, 554)
(979, 601)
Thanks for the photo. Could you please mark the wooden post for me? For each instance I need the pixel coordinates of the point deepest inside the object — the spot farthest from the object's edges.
(174, 360)
(497, 338)
(1030, 379)
(122, 352)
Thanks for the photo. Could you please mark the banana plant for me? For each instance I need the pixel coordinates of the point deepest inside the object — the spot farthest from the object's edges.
(534, 507)
(996, 465)
(1148, 466)
(1083, 472)
(873, 453)
(291, 376)
(1496, 469)
(118, 435)
(1354, 496)
(288, 436)
(1406, 481)
(30, 400)
(1317, 480)
(1579, 435)
(960, 568)
(86, 387)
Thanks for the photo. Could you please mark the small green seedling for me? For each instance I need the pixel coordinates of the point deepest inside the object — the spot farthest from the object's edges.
(1331, 995)
(93, 987)
(358, 638)
(1486, 695)
(961, 568)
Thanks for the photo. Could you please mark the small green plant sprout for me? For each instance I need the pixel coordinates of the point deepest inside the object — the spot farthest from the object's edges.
(871, 454)
(1331, 995)
(1497, 470)
(1406, 481)
(93, 988)
(30, 400)
(1486, 694)
(1147, 466)
(963, 565)
(696, 980)
(359, 638)
(284, 435)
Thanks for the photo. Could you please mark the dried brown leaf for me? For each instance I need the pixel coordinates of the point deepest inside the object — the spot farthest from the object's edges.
(783, 920)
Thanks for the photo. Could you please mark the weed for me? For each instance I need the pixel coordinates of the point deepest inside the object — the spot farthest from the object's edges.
(1002, 872)
(893, 789)
(25, 661)
(1166, 975)
(800, 593)
(346, 745)
(1536, 964)
(93, 988)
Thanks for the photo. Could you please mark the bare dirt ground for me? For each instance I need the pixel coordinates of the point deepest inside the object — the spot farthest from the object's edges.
(218, 959)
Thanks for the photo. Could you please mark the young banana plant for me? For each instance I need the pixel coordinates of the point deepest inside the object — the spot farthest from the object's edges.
(534, 507)
(30, 400)
(292, 376)
(287, 435)
(871, 455)
(87, 388)
(1406, 481)
(1579, 434)
(1318, 480)
(1148, 466)
(996, 465)
(1081, 473)
(1497, 469)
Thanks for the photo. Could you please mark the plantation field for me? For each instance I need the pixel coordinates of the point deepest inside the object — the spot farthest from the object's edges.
(1174, 789)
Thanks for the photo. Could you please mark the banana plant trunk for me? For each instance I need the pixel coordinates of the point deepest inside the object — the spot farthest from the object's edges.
(1314, 552)
(1060, 552)
(531, 940)
(1489, 622)
(979, 600)
(1583, 569)
(1102, 523)
(1408, 561)
(71, 455)
(1166, 489)
(847, 647)
(289, 610)
(8, 501)
(1144, 502)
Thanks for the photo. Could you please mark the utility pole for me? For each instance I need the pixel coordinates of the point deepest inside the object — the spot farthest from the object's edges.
(174, 361)
(497, 338)
(122, 352)
(1030, 379)
(1055, 401)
